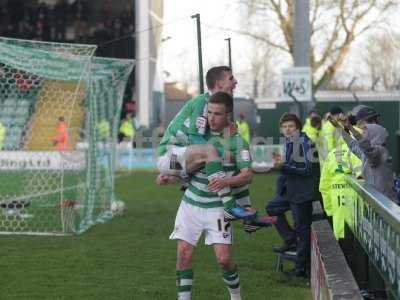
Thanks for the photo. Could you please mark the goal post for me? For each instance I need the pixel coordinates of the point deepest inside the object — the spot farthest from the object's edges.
(60, 108)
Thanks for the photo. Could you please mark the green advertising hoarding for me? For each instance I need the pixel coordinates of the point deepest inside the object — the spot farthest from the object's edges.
(376, 225)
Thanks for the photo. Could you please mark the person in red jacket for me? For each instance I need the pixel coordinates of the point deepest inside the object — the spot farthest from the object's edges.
(60, 141)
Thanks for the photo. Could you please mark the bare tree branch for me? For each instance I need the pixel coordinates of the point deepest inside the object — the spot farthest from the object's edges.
(338, 23)
(258, 37)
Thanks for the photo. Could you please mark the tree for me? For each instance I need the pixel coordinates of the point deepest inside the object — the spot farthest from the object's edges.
(385, 71)
(335, 25)
(261, 69)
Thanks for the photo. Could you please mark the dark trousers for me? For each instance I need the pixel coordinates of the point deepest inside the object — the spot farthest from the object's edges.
(301, 233)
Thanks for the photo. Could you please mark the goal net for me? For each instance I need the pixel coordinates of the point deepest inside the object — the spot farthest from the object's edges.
(59, 115)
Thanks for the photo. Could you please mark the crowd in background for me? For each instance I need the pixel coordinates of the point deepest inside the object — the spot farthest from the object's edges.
(71, 22)
(80, 21)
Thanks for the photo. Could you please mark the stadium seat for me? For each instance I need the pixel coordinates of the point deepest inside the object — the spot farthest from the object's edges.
(12, 103)
(22, 110)
(24, 103)
(15, 131)
(6, 120)
(19, 121)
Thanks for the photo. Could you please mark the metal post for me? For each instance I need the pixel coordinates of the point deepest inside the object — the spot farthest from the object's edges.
(229, 52)
(301, 38)
(201, 80)
(143, 66)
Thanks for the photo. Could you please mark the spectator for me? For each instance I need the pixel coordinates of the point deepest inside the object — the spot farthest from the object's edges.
(103, 129)
(26, 26)
(127, 129)
(60, 141)
(42, 28)
(297, 187)
(15, 11)
(370, 147)
(312, 126)
(120, 46)
(106, 13)
(336, 192)
(128, 18)
(130, 107)
(353, 113)
(328, 134)
(243, 128)
(80, 12)
(60, 14)
(101, 36)
(2, 135)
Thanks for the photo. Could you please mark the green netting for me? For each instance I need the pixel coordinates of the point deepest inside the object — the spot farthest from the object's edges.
(48, 189)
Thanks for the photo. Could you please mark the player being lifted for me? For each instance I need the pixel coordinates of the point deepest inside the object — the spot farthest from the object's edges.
(201, 209)
(184, 149)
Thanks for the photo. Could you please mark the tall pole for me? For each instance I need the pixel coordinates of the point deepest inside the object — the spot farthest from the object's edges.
(301, 38)
(143, 66)
(201, 80)
(229, 52)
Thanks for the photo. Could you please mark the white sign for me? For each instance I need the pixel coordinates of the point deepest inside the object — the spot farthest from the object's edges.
(264, 105)
(298, 83)
(42, 160)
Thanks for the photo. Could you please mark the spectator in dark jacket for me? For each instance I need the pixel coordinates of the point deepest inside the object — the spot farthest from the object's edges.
(297, 187)
(60, 14)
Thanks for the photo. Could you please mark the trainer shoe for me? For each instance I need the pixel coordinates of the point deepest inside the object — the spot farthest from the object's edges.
(286, 246)
(239, 213)
(251, 226)
(297, 273)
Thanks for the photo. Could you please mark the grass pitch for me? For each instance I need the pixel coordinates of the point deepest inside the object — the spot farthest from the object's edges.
(130, 257)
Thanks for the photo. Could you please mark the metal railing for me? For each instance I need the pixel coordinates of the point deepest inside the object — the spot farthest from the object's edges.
(375, 223)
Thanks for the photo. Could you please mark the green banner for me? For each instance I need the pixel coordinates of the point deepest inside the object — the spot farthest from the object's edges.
(376, 225)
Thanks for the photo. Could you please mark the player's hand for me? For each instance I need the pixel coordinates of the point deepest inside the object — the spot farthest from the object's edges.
(217, 184)
(233, 129)
(278, 165)
(163, 179)
(345, 122)
(333, 121)
(248, 208)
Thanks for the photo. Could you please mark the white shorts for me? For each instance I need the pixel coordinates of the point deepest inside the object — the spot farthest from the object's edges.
(191, 221)
(164, 162)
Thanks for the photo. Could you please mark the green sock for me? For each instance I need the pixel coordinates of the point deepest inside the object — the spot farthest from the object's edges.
(184, 283)
(231, 278)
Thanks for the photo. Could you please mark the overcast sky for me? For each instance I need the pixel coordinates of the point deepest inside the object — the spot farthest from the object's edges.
(178, 54)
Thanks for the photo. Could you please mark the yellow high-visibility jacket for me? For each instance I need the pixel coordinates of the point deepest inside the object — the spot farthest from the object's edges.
(244, 130)
(2, 135)
(336, 193)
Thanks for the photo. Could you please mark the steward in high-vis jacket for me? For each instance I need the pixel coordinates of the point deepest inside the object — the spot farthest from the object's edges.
(2, 135)
(336, 193)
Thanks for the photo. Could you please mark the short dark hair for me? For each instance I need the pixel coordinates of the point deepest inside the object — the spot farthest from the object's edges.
(335, 110)
(316, 121)
(222, 98)
(286, 117)
(312, 112)
(214, 74)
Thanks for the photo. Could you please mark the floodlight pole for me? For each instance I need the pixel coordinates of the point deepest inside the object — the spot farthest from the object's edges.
(201, 80)
(229, 52)
(301, 38)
